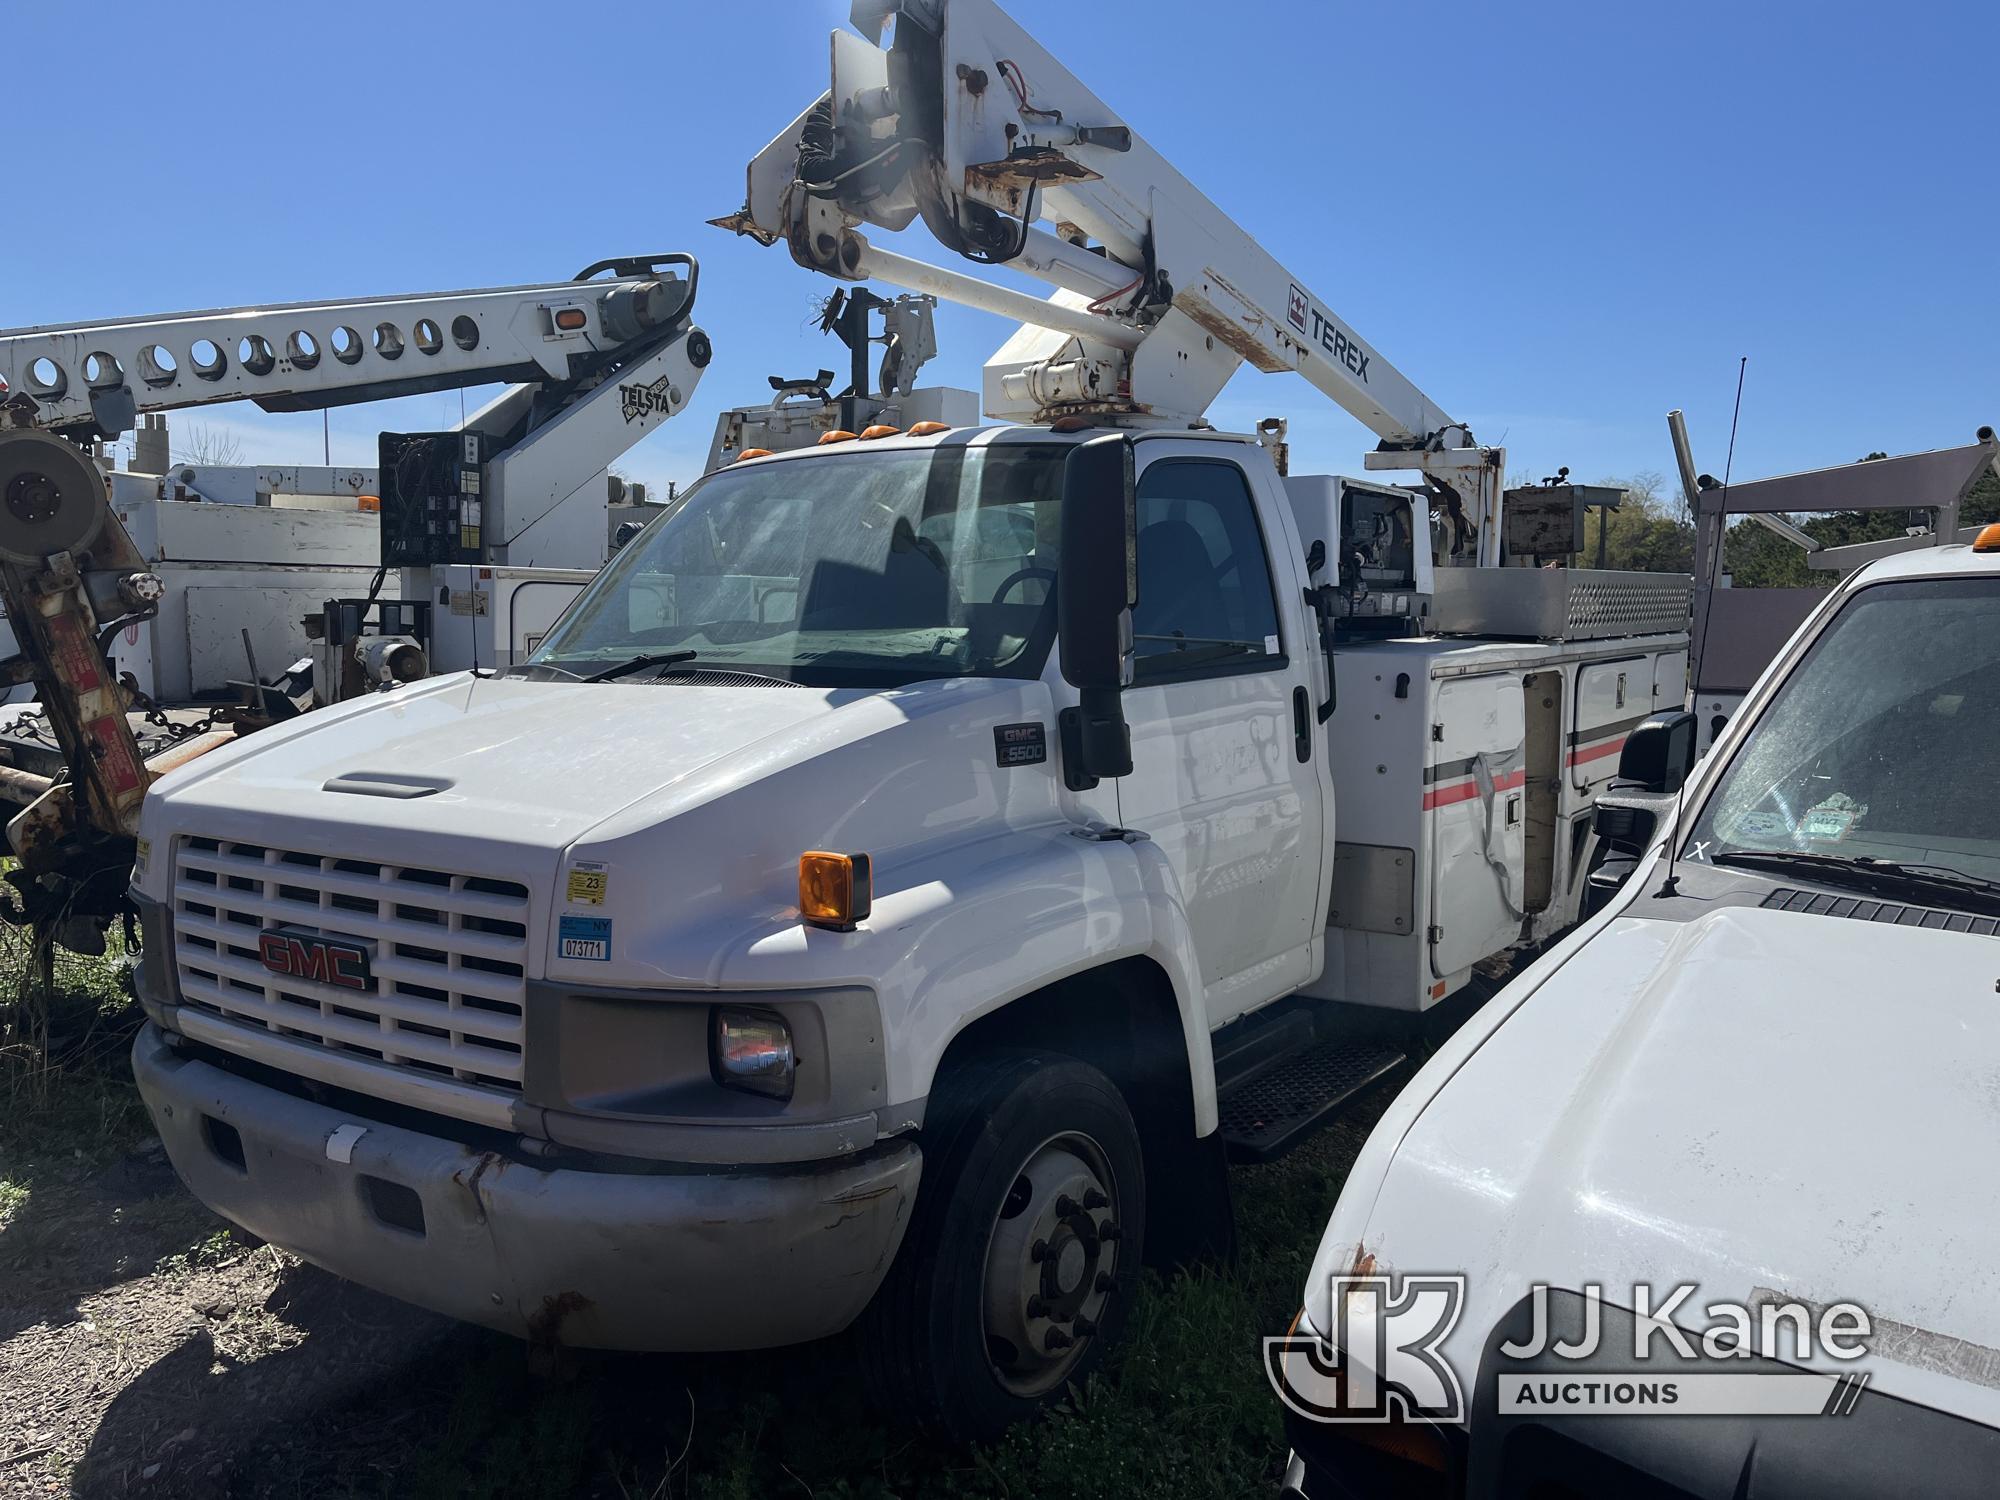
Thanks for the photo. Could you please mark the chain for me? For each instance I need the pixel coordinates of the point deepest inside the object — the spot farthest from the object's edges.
(161, 733)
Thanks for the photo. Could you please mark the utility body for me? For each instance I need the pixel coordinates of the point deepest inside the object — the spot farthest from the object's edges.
(869, 902)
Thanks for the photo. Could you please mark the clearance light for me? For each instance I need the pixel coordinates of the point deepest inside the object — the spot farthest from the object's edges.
(835, 890)
(569, 319)
(925, 429)
(879, 430)
(1988, 539)
(753, 453)
(370, 503)
(838, 435)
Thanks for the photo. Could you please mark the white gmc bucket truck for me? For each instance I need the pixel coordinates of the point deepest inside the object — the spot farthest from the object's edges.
(909, 860)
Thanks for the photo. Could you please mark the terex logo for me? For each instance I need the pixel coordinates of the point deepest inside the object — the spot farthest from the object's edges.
(1335, 340)
(304, 955)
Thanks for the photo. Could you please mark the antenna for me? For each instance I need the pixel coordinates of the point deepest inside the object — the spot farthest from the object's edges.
(1671, 885)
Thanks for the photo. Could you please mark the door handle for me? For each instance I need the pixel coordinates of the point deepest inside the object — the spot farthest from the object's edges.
(1302, 725)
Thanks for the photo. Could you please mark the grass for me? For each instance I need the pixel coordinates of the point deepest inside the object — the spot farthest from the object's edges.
(1182, 1410)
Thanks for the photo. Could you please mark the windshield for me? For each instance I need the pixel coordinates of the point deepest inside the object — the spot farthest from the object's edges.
(1883, 743)
(853, 569)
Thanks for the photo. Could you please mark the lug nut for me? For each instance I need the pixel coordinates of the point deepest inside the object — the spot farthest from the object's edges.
(1039, 1251)
(1037, 1308)
(1105, 1281)
(1065, 1206)
(1109, 1232)
(1094, 1199)
(1057, 1339)
(1083, 1327)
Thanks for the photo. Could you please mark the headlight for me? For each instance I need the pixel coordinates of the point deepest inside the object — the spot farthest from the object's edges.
(751, 1050)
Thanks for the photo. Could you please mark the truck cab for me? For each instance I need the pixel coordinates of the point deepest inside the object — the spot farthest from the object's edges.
(868, 894)
(1753, 1071)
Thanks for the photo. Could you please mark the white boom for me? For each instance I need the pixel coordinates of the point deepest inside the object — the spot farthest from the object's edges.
(594, 365)
(962, 118)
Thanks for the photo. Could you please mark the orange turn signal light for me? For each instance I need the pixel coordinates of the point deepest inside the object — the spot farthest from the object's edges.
(1988, 539)
(370, 503)
(835, 890)
(753, 453)
(925, 429)
(569, 319)
(838, 435)
(878, 430)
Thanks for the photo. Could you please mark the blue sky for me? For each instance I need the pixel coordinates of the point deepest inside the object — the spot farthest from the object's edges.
(1560, 219)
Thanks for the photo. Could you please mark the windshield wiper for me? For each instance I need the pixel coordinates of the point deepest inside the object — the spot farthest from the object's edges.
(650, 659)
(1866, 872)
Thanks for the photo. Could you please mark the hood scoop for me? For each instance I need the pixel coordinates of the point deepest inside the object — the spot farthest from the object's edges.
(1891, 913)
(386, 784)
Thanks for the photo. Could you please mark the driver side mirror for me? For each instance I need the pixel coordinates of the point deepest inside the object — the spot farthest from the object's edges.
(1096, 586)
(1658, 753)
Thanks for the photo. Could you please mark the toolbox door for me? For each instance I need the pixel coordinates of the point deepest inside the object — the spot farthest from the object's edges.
(1475, 800)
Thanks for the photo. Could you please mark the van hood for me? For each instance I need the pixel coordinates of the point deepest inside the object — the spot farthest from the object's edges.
(1755, 1100)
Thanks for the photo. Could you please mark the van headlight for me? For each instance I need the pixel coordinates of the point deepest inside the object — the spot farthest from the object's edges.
(751, 1050)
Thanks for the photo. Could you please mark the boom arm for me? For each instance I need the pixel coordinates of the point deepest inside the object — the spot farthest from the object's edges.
(598, 363)
(965, 120)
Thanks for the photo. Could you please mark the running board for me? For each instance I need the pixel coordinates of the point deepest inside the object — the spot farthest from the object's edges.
(1278, 1079)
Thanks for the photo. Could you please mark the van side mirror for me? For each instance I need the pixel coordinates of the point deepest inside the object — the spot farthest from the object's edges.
(1097, 584)
(1659, 752)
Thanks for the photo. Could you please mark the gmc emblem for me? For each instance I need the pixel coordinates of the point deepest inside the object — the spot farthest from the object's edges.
(299, 955)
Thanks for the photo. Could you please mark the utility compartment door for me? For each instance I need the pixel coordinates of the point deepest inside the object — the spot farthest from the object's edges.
(1474, 794)
(1611, 698)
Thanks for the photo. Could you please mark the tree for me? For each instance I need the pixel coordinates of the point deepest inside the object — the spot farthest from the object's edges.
(208, 448)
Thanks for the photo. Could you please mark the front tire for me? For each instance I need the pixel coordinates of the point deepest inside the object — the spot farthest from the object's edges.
(1023, 1250)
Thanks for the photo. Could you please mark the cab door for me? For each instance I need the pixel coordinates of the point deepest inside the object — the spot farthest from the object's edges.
(1228, 773)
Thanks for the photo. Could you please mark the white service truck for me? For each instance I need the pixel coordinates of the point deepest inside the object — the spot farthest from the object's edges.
(911, 858)
(1762, 1071)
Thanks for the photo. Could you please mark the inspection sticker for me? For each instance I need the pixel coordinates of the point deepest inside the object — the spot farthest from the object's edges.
(588, 882)
(585, 937)
(142, 852)
(1828, 824)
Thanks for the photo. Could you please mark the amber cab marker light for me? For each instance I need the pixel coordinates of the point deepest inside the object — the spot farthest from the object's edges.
(372, 504)
(753, 453)
(1988, 539)
(569, 319)
(925, 429)
(838, 435)
(879, 430)
(835, 890)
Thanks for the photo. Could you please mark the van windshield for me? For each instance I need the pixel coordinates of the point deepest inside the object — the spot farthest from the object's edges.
(1882, 745)
(854, 569)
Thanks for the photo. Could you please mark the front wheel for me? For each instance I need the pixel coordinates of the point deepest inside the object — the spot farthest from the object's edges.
(1023, 1250)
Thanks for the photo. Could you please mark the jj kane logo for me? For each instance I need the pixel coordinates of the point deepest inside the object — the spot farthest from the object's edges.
(658, 399)
(1635, 1354)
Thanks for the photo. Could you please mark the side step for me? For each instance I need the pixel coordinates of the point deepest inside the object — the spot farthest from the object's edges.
(1279, 1079)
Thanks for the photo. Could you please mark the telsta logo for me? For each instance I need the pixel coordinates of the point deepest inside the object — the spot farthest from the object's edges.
(306, 955)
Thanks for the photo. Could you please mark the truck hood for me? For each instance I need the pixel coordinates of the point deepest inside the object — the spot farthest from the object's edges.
(537, 763)
(1754, 1100)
